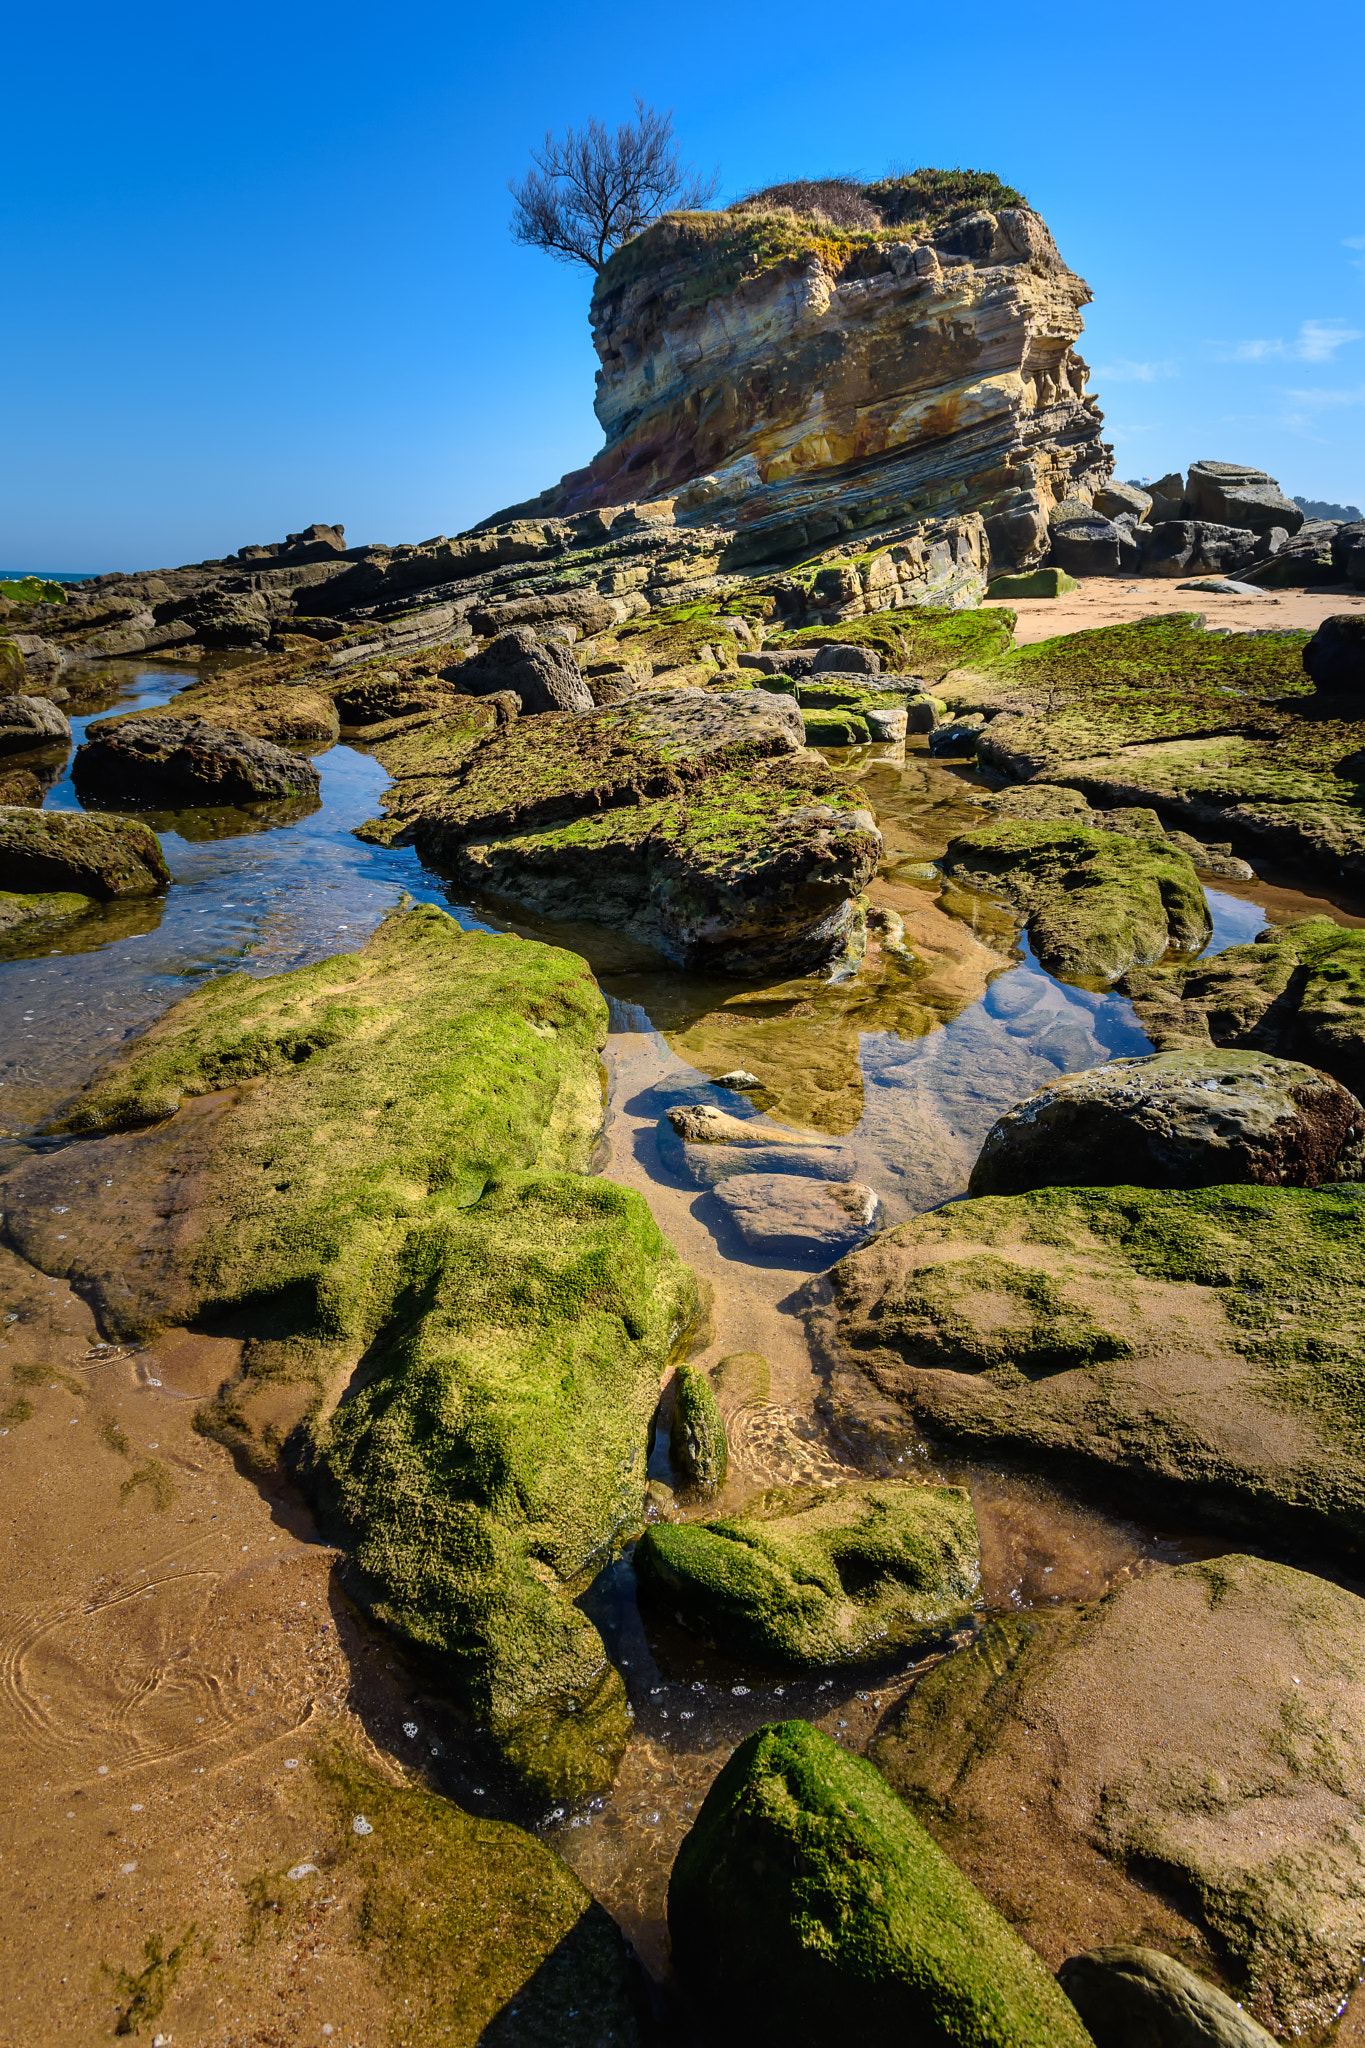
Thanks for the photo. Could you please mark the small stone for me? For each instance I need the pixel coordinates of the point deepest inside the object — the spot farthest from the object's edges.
(360, 1826)
(738, 1079)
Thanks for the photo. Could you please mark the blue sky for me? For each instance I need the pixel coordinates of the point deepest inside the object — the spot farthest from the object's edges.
(258, 271)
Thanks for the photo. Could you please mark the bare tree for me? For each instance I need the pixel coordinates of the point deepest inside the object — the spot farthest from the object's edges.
(590, 190)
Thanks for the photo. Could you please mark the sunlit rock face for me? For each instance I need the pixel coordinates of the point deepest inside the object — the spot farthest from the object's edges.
(795, 382)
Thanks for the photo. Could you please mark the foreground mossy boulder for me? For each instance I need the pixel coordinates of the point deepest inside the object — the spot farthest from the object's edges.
(466, 1330)
(807, 1905)
(1200, 1352)
(697, 1444)
(806, 1577)
(1096, 902)
(76, 853)
(1182, 1763)
(1298, 992)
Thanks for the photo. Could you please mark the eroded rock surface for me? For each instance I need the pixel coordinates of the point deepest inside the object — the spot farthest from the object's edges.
(169, 760)
(1195, 1352)
(1185, 1759)
(91, 855)
(27, 722)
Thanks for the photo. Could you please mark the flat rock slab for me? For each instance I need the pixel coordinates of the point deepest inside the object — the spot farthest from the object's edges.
(89, 855)
(1196, 1353)
(1203, 1728)
(707, 1147)
(178, 760)
(1178, 1120)
(790, 1214)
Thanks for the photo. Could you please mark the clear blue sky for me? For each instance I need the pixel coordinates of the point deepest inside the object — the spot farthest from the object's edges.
(258, 272)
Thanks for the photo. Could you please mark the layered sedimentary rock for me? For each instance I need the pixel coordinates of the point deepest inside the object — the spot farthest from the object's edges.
(795, 381)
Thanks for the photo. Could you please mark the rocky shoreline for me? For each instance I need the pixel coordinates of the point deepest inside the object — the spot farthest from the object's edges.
(649, 730)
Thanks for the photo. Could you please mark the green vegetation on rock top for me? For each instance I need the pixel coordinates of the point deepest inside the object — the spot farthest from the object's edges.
(807, 1904)
(916, 639)
(807, 1577)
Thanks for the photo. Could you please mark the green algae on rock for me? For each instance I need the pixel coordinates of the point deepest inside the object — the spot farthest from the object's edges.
(1177, 1120)
(917, 640)
(1298, 991)
(504, 1944)
(805, 1578)
(807, 1904)
(1182, 1761)
(1096, 902)
(1197, 1352)
(391, 1200)
(76, 853)
(696, 1439)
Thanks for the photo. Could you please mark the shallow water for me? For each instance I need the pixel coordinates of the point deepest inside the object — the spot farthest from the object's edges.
(914, 1107)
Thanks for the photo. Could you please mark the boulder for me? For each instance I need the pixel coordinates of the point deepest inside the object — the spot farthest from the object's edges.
(789, 1215)
(1335, 657)
(790, 661)
(808, 1905)
(1233, 495)
(169, 761)
(1184, 1761)
(1194, 546)
(887, 722)
(1086, 547)
(846, 660)
(544, 676)
(1347, 558)
(1052, 582)
(73, 851)
(1194, 1353)
(579, 610)
(707, 1146)
(27, 722)
(1113, 498)
(1094, 901)
(1168, 498)
(13, 674)
(957, 735)
(1134, 1997)
(696, 1438)
(1178, 1120)
(807, 1578)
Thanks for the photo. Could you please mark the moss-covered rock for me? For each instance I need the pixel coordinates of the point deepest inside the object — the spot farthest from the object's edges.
(467, 1330)
(151, 759)
(810, 1577)
(1178, 1120)
(1095, 902)
(916, 640)
(1183, 1761)
(1299, 991)
(751, 871)
(1197, 1352)
(807, 1904)
(696, 1438)
(79, 853)
(1033, 583)
(13, 674)
(264, 701)
(44, 907)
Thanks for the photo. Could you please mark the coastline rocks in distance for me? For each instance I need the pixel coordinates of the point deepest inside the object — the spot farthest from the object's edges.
(1194, 1352)
(807, 1578)
(1177, 1120)
(170, 761)
(1095, 902)
(1182, 1761)
(543, 674)
(790, 1215)
(1133, 1997)
(97, 855)
(1334, 658)
(406, 1183)
(28, 722)
(807, 1904)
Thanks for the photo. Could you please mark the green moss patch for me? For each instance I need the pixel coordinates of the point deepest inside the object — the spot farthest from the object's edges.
(696, 1437)
(807, 1903)
(809, 1577)
(1096, 902)
(915, 639)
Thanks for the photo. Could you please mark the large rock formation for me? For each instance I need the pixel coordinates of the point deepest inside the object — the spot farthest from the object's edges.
(795, 381)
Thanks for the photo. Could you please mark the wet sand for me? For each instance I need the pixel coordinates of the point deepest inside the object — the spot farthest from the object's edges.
(1109, 601)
